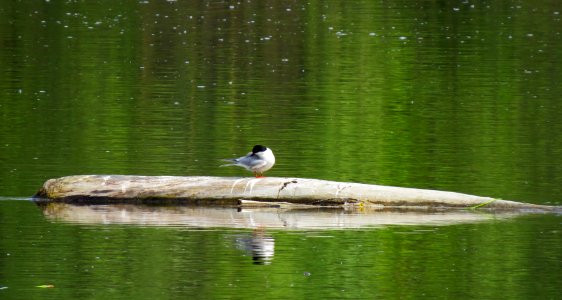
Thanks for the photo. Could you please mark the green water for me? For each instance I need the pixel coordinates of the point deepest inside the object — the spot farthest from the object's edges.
(461, 96)
(494, 260)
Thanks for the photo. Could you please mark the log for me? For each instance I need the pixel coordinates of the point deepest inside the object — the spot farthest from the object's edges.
(206, 190)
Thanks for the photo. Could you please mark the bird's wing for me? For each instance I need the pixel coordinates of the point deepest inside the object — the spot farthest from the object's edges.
(252, 161)
(234, 161)
(257, 164)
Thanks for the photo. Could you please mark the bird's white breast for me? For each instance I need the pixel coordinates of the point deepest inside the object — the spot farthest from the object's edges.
(269, 158)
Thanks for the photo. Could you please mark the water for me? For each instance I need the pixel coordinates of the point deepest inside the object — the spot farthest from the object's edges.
(452, 96)
(516, 258)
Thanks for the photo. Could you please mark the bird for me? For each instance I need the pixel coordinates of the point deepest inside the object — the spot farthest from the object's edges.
(258, 161)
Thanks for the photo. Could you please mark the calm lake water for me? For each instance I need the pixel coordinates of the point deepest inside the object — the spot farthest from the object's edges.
(461, 96)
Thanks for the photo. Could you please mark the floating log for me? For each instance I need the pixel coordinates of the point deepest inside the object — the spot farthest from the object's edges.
(205, 190)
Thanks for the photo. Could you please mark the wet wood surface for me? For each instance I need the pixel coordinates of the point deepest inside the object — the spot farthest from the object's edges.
(205, 190)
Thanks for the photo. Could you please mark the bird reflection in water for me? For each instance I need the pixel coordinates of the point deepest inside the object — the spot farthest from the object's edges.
(259, 244)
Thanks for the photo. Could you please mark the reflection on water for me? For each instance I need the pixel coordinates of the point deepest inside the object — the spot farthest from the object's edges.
(100, 255)
(443, 95)
(313, 218)
(451, 95)
(259, 245)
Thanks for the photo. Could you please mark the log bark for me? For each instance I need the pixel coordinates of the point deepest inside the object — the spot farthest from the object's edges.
(204, 190)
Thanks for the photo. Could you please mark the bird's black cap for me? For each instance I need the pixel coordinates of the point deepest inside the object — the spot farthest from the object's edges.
(258, 148)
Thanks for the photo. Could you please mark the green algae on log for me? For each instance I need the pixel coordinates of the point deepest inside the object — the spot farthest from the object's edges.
(206, 190)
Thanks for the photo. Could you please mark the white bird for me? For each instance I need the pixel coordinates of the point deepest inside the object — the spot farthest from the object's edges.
(258, 161)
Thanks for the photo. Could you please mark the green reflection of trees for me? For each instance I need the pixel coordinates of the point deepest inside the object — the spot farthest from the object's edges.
(396, 93)
(426, 94)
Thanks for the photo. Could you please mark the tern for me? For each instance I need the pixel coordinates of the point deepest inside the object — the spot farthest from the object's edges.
(258, 161)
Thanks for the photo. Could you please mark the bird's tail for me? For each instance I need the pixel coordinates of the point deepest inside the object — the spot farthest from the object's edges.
(232, 162)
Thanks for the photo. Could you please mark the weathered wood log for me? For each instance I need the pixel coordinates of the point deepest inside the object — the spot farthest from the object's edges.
(228, 191)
